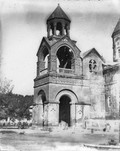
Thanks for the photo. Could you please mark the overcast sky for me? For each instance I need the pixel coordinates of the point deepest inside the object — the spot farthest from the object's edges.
(23, 24)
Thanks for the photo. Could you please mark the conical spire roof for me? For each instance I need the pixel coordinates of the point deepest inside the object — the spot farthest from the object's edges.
(117, 27)
(58, 13)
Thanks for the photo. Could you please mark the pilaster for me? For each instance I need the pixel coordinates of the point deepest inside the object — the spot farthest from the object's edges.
(63, 27)
(52, 63)
(72, 114)
(77, 66)
(53, 114)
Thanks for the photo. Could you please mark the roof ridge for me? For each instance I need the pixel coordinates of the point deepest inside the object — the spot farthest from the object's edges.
(88, 51)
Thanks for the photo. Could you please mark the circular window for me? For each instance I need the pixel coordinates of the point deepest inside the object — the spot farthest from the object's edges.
(92, 65)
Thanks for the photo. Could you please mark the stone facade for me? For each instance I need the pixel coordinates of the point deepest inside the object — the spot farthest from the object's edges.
(112, 91)
(72, 87)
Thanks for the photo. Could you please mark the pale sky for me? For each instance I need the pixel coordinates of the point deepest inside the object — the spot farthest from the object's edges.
(23, 24)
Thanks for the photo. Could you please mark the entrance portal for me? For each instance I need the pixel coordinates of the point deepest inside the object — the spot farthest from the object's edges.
(64, 109)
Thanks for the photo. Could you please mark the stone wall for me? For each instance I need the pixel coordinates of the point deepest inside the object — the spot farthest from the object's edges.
(112, 92)
(95, 80)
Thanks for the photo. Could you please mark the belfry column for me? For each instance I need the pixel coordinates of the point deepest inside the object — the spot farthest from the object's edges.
(63, 27)
(52, 65)
(54, 29)
(68, 30)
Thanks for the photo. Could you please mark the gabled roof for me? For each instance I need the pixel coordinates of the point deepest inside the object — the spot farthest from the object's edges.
(85, 54)
(72, 42)
(58, 13)
(117, 27)
(44, 39)
(51, 43)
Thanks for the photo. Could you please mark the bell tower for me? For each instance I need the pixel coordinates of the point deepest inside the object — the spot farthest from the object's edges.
(59, 65)
(116, 42)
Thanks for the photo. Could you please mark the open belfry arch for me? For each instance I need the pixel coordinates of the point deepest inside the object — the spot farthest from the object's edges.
(61, 91)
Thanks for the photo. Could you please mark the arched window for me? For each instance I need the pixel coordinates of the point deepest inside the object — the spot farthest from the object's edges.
(65, 57)
(46, 61)
(45, 57)
(50, 32)
(59, 29)
(42, 66)
(92, 65)
(51, 29)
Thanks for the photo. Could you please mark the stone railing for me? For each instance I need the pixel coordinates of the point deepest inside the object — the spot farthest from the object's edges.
(44, 71)
(65, 71)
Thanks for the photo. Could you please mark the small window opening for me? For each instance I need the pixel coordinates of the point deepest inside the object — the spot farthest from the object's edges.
(46, 61)
(45, 58)
(59, 29)
(92, 65)
(51, 29)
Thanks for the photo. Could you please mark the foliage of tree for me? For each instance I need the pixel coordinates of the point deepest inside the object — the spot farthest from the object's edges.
(6, 86)
(13, 105)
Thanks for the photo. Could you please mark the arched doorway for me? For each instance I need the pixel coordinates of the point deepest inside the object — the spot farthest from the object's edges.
(64, 109)
(66, 99)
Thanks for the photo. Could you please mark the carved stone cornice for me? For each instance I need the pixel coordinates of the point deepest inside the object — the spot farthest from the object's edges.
(52, 78)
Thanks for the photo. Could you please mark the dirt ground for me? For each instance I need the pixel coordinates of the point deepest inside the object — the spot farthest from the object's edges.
(37, 140)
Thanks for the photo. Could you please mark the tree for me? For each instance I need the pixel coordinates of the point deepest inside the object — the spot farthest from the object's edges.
(16, 106)
(13, 105)
(6, 86)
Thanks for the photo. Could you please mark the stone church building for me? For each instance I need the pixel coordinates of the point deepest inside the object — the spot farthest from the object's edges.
(72, 86)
